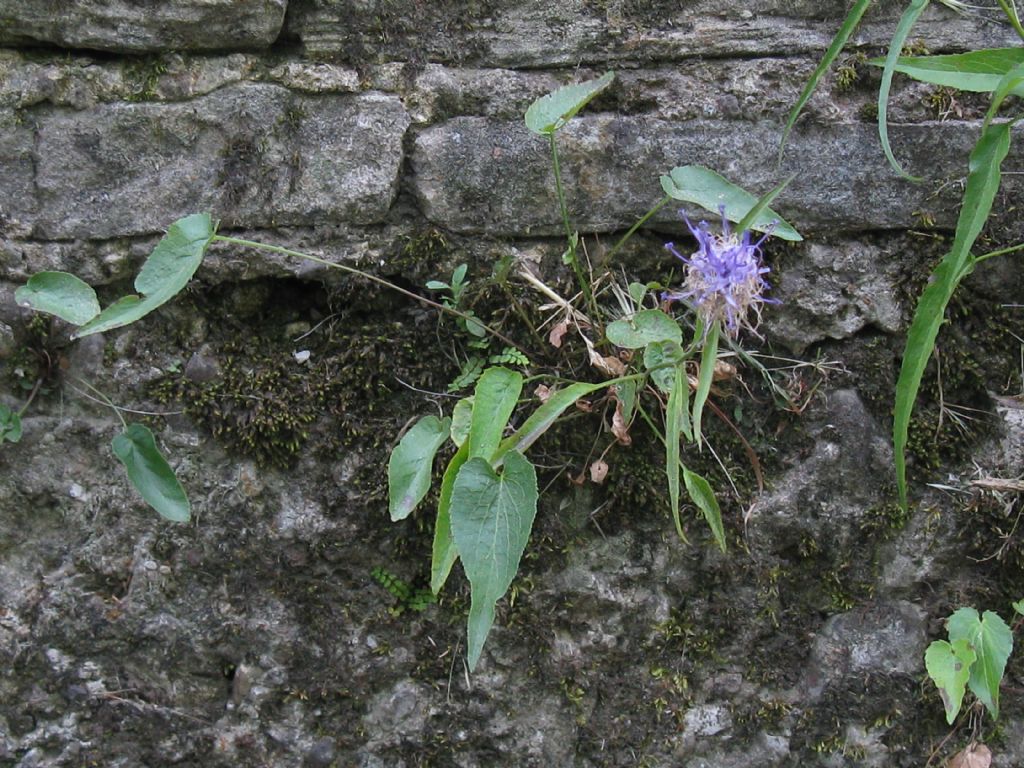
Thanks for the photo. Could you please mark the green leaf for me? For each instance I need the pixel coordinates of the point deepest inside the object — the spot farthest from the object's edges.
(906, 23)
(167, 270)
(491, 519)
(678, 400)
(1019, 607)
(444, 553)
(992, 641)
(657, 356)
(703, 495)
(637, 292)
(540, 420)
(462, 415)
(495, 398)
(949, 667)
(977, 71)
(708, 358)
(150, 473)
(762, 205)
(61, 294)
(411, 464)
(704, 187)
(846, 29)
(626, 392)
(437, 285)
(1010, 83)
(982, 184)
(549, 113)
(641, 329)
(10, 425)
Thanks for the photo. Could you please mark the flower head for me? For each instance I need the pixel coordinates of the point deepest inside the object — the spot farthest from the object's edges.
(724, 278)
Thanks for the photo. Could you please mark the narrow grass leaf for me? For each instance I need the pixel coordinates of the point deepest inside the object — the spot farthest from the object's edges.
(762, 205)
(678, 400)
(150, 473)
(846, 29)
(494, 399)
(167, 270)
(703, 495)
(541, 419)
(491, 519)
(444, 553)
(906, 23)
(549, 113)
(1012, 83)
(982, 184)
(411, 464)
(702, 186)
(949, 667)
(708, 358)
(61, 294)
(992, 641)
(976, 71)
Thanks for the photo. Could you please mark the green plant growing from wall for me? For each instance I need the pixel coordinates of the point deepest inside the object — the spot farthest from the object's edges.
(488, 494)
(997, 71)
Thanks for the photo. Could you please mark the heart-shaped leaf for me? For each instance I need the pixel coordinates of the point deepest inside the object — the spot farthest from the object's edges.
(696, 184)
(411, 463)
(639, 330)
(491, 519)
(61, 294)
(150, 473)
(549, 113)
(167, 270)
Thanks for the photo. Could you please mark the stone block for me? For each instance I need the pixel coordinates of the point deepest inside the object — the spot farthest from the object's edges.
(253, 155)
(141, 26)
(475, 175)
(532, 33)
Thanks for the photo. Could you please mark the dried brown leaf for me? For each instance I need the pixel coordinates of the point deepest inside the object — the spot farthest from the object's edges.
(619, 426)
(974, 755)
(598, 471)
(543, 393)
(557, 333)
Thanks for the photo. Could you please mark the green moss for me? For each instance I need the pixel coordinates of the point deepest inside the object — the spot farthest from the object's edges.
(850, 72)
(142, 75)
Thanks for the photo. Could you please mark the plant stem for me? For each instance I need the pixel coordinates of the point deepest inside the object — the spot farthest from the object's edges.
(101, 398)
(569, 232)
(1011, 13)
(1000, 252)
(31, 397)
(640, 222)
(367, 276)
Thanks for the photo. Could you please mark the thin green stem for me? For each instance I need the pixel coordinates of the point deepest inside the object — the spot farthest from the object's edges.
(1000, 252)
(99, 397)
(1011, 13)
(640, 222)
(654, 428)
(366, 275)
(569, 232)
(31, 397)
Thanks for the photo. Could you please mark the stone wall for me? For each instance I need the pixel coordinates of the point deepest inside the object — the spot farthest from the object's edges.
(389, 134)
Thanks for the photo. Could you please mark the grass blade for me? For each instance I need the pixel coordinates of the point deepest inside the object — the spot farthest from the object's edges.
(835, 48)
(674, 413)
(907, 21)
(708, 358)
(982, 184)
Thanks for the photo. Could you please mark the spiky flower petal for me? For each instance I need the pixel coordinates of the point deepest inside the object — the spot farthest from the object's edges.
(724, 278)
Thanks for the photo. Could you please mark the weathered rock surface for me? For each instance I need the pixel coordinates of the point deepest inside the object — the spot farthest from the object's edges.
(476, 175)
(537, 34)
(130, 26)
(254, 155)
(834, 291)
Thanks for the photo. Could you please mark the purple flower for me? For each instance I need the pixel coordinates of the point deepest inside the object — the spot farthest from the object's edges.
(724, 278)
